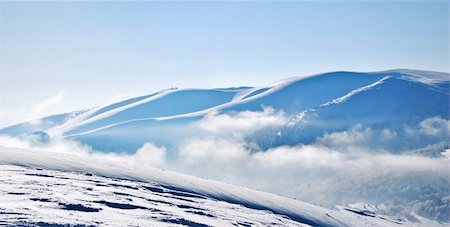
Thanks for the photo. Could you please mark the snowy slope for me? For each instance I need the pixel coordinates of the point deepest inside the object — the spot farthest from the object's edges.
(84, 199)
(114, 194)
(169, 103)
(393, 102)
(42, 124)
(392, 97)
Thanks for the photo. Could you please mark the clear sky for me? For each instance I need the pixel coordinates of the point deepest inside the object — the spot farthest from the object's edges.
(60, 56)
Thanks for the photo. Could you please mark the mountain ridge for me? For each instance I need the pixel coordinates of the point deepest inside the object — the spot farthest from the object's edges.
(294, 96)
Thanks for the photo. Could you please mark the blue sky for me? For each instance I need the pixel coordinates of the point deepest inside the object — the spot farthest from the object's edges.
(57, 57)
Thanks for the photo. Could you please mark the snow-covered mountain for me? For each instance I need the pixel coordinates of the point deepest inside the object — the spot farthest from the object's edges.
(372, 145)
(317, 104)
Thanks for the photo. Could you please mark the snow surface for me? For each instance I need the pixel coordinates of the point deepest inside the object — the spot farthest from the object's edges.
(39, 197)
(56, 188)
(392, 102)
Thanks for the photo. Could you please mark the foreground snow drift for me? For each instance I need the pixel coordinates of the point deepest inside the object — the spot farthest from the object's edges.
(44, 197)
(78, 191)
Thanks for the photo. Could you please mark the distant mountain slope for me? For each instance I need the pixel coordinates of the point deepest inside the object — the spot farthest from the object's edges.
(297, 94)
(393, 102)
(42, 124)
(165, 104)
(330, 101)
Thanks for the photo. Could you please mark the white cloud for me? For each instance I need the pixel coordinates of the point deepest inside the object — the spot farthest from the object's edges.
(212, 150)
(39, 143)
(49, 106)
(322, 175)
(338, 168)
(48, 103)
(388, 134)
(435, 126)
(150, 154)
(356, 135)
(242, 122)
(304, 156)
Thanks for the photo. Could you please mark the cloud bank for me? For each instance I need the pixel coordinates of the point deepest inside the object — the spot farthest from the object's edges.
(46, 107)
(339, 168)
(358, 165)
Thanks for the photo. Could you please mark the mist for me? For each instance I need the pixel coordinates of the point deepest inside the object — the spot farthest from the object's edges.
(348, 168)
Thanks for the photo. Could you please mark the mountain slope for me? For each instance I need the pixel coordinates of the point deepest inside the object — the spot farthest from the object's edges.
(391, 103)
(153, 196)
(330, 102)
(171, 103)
(86, 199)
(297, 94)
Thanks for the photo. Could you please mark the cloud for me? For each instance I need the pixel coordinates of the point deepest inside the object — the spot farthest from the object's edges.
(435, 126)
(148, 155)
(307, 156)
(242, 123)
(37, 142)
(358, 165)
(151, 155)
(49, 106)
(388, 133)
(355, 136)
(339, 168)
(397, 184)
(212, 149)
(48, 103)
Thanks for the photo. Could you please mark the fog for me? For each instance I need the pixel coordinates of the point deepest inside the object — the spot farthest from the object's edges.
(350, 167)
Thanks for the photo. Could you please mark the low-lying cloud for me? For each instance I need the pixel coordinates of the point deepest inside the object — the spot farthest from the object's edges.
(51, 105)
(150, 154)
(358, 165)
(339, 168)
(48, 103)
(241, 123)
